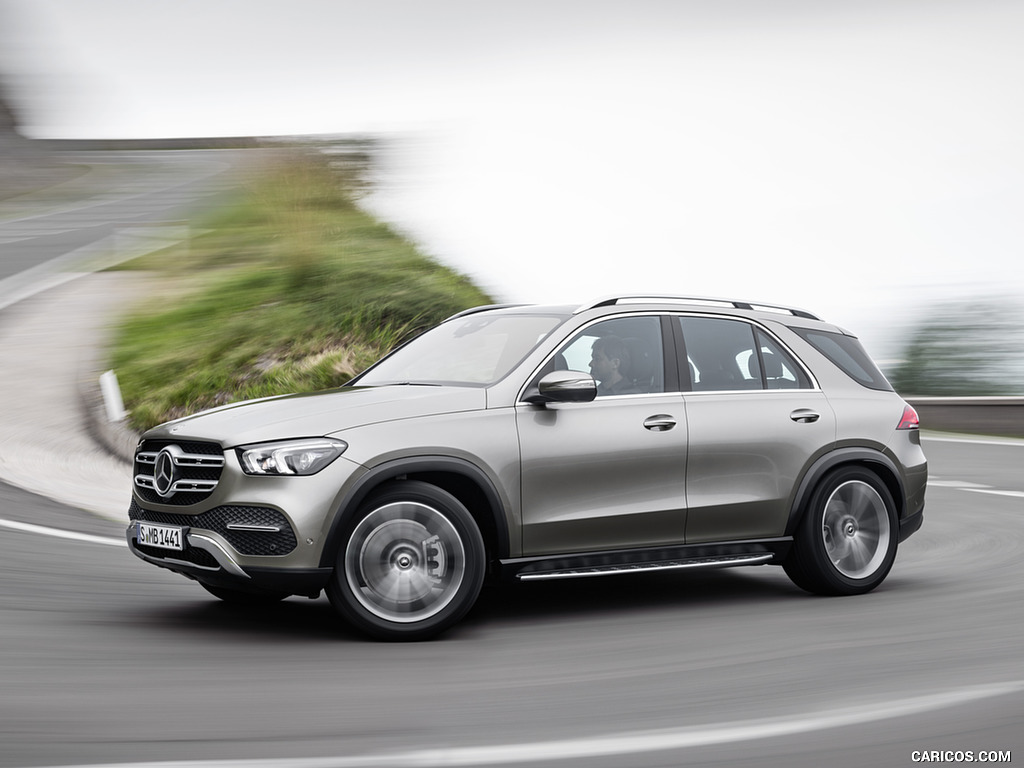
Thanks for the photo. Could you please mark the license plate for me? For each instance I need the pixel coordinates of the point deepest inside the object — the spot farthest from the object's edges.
(160, 536)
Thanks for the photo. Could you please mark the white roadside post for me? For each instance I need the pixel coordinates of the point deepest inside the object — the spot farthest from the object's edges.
(112, 397)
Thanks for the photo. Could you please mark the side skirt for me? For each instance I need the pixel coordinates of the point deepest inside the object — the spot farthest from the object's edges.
(585, 564)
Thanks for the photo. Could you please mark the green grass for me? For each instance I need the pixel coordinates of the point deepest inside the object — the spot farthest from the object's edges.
(291, 288)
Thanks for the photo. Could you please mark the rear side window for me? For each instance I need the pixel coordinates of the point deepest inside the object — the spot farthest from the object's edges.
(721, 354)
(848, 355)
(729, 355)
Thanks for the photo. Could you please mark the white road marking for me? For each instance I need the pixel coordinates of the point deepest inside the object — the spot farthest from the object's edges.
(632, 742)
(972, 439)
(963, 485)
(994, 492)
(61, 534)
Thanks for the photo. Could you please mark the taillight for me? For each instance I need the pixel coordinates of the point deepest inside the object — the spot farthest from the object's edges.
(909, 420)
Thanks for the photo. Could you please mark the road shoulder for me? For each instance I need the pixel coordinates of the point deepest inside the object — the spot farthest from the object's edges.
(53, 348)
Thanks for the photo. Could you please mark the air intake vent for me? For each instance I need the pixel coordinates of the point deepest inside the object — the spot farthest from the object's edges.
(250, 530)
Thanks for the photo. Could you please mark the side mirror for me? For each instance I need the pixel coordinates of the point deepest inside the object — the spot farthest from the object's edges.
(564, 387)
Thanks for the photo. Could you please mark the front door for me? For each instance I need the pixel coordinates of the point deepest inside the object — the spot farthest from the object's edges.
(609, 474)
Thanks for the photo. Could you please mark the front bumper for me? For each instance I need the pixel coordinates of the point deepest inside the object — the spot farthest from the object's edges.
(206, 560)
(257, 534)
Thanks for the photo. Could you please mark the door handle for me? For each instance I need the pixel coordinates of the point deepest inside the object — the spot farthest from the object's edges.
(804, 416)
(660, 423)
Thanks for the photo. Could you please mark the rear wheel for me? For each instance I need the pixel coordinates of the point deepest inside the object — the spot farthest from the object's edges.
(411, 563)
(846, 542)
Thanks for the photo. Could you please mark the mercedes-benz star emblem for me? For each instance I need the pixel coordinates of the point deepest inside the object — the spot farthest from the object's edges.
(164, 474)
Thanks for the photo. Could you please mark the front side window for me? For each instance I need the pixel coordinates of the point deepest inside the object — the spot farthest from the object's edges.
(477, 350)
(624, 355)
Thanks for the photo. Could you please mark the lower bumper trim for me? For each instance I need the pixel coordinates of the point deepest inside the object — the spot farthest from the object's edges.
(225, 560)
(228, 573)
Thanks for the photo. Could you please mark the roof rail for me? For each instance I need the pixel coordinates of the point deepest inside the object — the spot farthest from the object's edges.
(608, 301)
(484, 308)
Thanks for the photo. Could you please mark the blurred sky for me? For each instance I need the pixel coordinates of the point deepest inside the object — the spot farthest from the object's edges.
(858, 158)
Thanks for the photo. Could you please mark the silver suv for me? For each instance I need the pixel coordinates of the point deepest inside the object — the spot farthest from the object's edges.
(544, 442)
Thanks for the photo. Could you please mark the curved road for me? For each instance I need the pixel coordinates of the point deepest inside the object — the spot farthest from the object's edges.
(105, 660)
(114, 190)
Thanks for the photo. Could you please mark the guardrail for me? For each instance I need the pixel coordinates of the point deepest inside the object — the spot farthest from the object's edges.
(1002, 416)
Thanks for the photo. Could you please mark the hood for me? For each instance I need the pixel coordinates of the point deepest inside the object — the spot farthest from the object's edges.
(318, 414)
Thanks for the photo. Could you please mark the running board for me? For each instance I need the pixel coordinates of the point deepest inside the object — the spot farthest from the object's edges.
(726, 561)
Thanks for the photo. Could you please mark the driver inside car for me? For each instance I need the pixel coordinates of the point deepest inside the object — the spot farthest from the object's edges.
(609, 365)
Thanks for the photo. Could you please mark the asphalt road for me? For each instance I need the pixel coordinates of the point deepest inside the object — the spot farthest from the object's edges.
(116, 191)
(105, 660)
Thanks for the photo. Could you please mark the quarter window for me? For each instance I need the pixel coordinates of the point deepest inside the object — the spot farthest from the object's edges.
(848, 355)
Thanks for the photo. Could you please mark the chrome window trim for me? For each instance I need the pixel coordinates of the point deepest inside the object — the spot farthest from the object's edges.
(706, 392)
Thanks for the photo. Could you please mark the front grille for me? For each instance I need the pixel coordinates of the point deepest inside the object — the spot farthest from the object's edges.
(250, 530)
(196, 469)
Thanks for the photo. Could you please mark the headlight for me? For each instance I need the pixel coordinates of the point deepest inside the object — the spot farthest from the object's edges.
(294, 457)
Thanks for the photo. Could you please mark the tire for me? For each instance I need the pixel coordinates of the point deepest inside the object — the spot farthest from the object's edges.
(845, 544)
(410, 565)
(241, 597)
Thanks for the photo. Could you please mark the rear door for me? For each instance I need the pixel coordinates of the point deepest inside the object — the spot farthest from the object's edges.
(756, 420)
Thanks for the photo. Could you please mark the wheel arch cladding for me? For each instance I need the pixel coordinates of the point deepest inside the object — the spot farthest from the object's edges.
(875, 461)
(462, 479)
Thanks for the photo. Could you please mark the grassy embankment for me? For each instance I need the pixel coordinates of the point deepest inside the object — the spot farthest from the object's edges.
(291, 288)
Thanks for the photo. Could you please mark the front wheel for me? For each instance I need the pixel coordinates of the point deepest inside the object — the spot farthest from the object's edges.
(411, 563)
(846, 542)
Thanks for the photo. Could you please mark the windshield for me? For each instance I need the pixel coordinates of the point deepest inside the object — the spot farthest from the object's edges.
(477, 350)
